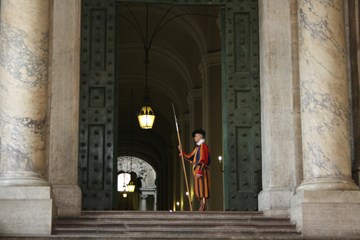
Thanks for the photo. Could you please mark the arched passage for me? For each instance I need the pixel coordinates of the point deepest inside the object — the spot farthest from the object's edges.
(143, 176)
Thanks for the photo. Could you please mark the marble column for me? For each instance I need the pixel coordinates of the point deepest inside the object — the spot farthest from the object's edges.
(155, 200)
(23, 91)
(148, 194)
(327, 196)
(25, 201)
(143, 199)
(324, 96)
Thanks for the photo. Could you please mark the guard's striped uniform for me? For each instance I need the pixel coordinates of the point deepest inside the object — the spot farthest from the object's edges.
(200, 158)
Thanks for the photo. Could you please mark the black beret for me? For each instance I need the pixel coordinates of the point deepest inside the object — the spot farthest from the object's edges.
(200, 131)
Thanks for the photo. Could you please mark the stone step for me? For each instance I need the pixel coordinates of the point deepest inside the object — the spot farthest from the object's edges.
(157, 236)
(170, 222)
(249, 234)
(193, 236)
(174, 225)
(175, 218)
(168, 213)
(238, 216)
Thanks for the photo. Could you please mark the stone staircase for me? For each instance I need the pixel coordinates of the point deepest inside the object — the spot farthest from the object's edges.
(174, 225)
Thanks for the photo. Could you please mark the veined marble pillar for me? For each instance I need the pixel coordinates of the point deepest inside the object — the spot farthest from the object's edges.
(25, 202)
(324, 96)
(23, 91)
(327, 195)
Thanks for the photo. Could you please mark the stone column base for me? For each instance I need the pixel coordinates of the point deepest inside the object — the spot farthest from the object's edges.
(275, 202)
(25, 211)
(327, 213)
(67, 200)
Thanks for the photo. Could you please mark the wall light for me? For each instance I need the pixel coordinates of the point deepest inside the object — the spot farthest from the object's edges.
(221, 163)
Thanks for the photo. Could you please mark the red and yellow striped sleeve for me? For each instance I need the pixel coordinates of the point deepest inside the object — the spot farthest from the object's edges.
(189, 156)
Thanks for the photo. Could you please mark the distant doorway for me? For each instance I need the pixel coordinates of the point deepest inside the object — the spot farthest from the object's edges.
(140, 174)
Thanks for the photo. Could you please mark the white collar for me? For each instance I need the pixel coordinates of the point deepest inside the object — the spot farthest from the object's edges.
(201, 141)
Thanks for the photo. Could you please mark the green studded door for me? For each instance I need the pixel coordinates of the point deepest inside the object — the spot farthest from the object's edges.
(241, 105)
(96, 141)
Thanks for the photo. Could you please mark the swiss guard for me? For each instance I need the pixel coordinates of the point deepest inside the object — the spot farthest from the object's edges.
(200, 158)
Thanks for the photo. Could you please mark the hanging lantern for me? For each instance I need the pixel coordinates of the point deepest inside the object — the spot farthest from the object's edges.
(146, 117)
(131, 187)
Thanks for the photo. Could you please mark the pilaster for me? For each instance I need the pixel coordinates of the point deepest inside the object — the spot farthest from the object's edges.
(184, 122)
(280, 105)
(64, 107)
(210, 68)
(195, 102)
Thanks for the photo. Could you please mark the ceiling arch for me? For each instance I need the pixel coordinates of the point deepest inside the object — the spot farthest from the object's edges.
(159, 55)
(179, 18)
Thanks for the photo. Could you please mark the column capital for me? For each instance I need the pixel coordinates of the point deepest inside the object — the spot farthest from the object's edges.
(143, 196)
(184, 118)
(194, 94)
(208, 60)
(218, 24)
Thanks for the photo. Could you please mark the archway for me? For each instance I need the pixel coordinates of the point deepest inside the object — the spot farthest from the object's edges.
(103, 101)
(143, 176)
